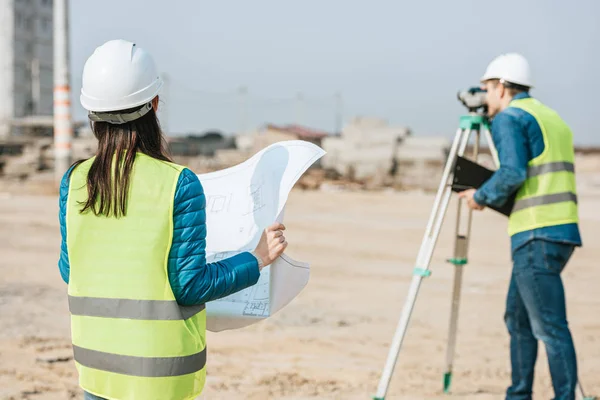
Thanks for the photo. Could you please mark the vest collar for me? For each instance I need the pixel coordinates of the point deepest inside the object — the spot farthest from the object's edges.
(521, 95)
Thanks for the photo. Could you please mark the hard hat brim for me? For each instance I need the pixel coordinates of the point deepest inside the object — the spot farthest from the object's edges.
(134, 100)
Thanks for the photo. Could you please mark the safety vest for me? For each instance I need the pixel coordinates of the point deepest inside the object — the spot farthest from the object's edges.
(131, 340)
(548, 196)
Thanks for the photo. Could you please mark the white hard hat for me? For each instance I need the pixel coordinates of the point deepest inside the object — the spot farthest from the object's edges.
(510, 67)
(119, 75)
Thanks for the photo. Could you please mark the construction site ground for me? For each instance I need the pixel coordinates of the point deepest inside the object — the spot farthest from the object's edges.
(331, 342)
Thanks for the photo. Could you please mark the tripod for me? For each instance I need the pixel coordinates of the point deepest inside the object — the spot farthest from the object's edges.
(472, 123)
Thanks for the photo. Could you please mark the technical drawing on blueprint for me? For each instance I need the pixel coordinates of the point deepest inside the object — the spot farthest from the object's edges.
(241, 202)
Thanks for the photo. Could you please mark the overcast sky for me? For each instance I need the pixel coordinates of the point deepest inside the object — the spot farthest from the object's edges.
(402, 61)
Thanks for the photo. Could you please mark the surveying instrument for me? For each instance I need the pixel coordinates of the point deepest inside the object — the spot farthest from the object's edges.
(475, 122)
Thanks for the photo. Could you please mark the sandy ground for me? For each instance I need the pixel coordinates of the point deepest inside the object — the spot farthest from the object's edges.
(331, 342)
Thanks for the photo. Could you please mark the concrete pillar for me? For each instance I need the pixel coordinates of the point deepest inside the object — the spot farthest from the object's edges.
(63, 125)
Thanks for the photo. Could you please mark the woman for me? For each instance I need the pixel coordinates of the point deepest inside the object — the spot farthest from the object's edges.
(133, 244)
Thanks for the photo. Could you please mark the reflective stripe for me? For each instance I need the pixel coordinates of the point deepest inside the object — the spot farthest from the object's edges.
(545, 199)
(131, 309)
(140, 366)
(550, 167)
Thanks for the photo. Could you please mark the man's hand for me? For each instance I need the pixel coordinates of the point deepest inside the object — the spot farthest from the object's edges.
(468, 195)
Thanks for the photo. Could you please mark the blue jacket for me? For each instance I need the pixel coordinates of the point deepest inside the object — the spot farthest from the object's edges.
(192, 280)
(518, 139)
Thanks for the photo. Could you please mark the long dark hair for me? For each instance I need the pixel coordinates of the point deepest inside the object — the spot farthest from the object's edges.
(108, 184)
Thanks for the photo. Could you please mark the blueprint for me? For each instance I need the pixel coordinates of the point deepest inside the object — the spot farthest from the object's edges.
(241, 202)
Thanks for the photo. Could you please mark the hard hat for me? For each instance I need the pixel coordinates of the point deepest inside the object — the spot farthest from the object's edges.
(510, 67)
(119, 75)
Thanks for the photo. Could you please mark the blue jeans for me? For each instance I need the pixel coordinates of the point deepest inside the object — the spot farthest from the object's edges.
(536, 310)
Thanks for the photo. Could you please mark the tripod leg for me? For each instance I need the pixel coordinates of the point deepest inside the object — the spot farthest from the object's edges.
(459, 260)
(488, 139)
(460, 257)
(423, 259)
(580, 395)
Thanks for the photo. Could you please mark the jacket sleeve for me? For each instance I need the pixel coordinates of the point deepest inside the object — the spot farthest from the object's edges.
(63, 261)
(509, 138)
(192, 280)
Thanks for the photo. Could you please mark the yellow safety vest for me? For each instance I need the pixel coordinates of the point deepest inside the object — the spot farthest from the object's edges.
(548, 196)
(131, 340)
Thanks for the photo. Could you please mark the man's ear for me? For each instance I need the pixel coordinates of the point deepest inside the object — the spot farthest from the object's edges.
(502, 90)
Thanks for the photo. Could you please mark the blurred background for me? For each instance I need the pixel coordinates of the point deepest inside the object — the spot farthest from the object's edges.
(374, 83)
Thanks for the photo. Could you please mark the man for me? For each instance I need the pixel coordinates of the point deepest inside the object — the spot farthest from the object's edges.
(536, 154)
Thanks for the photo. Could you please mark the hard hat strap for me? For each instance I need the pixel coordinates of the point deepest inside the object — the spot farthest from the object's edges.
(120, 118)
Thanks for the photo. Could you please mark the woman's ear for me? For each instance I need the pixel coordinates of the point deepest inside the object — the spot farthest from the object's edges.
(155, 104)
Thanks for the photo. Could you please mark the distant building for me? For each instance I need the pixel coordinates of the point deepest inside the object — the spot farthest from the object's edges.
(372, 151)
(419, 162)
(254, 142)
(276, 133)
(199, 145)
(26, 59)
(364, 149)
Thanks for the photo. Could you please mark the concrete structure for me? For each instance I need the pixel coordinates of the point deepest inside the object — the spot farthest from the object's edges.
(269, 134)
(371, 151)
(419, 162)
(26, 72)
(365, 148)
(205, 145)
(63, 121)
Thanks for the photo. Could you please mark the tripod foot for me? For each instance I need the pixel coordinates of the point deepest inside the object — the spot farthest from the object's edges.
(447, 381)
